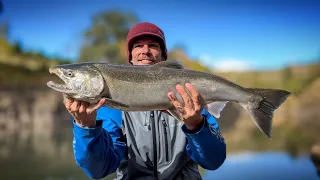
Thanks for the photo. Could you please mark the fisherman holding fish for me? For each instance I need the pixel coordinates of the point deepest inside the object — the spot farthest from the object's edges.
(147, 144)
(153, 118)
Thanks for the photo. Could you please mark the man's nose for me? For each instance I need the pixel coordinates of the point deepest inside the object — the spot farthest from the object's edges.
(145, 49)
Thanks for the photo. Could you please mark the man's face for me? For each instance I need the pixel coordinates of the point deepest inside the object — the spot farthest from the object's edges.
(146, 50)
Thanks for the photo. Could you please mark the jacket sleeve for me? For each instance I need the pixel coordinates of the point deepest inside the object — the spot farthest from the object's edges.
(99, 150)
(206, 146)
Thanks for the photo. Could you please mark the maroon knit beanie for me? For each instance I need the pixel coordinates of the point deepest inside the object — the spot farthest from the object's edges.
(146, 28)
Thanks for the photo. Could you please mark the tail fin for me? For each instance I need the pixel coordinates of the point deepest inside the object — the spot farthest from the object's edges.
(262, 111)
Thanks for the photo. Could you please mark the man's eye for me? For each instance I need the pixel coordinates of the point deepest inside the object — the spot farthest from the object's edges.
(137, 46)
(153, 45)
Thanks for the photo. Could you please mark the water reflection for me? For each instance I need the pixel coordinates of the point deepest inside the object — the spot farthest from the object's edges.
(264, 166)
(22, 156)
(25, 155)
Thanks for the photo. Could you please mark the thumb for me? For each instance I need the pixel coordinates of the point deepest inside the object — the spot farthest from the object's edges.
(94, 107)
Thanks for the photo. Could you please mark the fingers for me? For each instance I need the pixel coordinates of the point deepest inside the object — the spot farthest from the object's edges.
(68, 101)
(188, 103)
(176, 103)
(83, 114)
(191, 103)
(83, 107)
(73, 105)
(195, 96)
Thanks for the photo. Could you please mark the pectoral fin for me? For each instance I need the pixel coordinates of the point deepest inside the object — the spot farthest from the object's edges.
(176, 115)
(216, 107)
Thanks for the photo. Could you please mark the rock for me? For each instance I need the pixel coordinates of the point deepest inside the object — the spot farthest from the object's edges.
(315, 157)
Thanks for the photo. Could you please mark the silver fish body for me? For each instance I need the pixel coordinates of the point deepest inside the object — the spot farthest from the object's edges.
(145, 88)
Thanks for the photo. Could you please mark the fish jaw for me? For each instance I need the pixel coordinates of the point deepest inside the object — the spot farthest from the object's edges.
(63, 88)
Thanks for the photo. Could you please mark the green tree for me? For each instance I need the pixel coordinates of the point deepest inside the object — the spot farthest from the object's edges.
(16, 48)
(287, 76)
(105, 39)
(5, 47)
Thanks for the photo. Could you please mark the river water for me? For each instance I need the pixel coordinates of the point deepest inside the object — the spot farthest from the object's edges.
(51, 158)
(264, 166)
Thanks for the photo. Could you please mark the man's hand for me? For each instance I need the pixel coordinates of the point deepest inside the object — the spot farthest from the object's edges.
(190, 108)
(83, 113)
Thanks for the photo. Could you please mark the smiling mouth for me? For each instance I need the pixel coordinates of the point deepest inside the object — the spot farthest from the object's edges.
(146, 61)
(65, 88)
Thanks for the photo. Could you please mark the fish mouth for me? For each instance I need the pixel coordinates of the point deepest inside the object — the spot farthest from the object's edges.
(64, 88)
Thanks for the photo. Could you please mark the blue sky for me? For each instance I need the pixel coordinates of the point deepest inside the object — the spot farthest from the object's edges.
(225, 35)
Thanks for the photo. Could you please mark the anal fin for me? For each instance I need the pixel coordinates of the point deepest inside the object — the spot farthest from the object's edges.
(216, 107)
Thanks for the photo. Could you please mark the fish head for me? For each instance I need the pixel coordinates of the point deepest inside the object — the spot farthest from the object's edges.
(83, 81)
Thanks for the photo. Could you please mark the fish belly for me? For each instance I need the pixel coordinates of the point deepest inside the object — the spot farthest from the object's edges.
(143, 96)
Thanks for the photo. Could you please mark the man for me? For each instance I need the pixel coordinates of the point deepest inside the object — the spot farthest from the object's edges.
(146, 145)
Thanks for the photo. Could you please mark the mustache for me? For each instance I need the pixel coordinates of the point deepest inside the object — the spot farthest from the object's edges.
(139, 58)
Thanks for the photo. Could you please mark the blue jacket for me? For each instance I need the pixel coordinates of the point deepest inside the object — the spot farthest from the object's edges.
(121, 142)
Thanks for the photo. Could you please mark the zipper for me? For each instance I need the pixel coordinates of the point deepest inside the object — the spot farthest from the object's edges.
(155, 159)
(166, 139)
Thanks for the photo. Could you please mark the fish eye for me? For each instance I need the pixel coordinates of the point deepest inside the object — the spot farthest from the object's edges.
(69, 73)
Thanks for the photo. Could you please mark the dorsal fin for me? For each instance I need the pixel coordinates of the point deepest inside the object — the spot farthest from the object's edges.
(169, 64)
